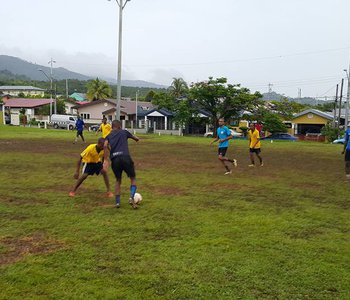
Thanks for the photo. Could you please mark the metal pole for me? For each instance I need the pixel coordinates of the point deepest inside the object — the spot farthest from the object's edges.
(347, 102)
(335, 106)
(137, 94)
(340, 99)
(119, 71)
(67, 88)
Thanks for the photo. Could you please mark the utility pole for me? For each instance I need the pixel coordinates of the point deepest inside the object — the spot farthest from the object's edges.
(137, 95)
(335, 106)
(340, 99)
(66, 88)
(299, 94)
(51, 62)
(347, 107)
(121, 6)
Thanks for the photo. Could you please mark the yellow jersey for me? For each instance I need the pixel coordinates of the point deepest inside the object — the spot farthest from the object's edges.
(90, 154)
(105, 129)
(254, 138)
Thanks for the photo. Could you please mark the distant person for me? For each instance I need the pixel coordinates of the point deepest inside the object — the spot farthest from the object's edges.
(347, 153)
(259, 127)
(254, 145)
(91, 159)
(105, 128)
(223, 136)
(79, 125)
(117, 150)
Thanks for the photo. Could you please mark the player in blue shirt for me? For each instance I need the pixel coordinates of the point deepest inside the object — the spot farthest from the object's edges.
(347, 153)
(223, 136)
(79, 125)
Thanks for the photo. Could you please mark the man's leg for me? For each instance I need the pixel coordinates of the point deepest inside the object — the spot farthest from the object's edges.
(106, 180)
(260, 158)
(347, 169)
(223, 160)
(78, 183)
(251, 155)
(117, 192)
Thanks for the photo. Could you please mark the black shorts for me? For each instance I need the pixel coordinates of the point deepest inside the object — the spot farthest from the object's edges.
(92, 168)
(347, 155)
(123, 163)
(80, 132)
(222, 151)
(255, 150)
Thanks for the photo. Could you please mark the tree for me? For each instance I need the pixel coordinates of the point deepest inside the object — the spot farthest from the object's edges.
(98, 89)
(178, 88)
(286, 108)
(222, 100)
(273, 123)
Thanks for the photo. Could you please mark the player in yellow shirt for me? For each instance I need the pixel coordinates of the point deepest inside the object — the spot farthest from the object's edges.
(105, 128)
(254, 145)
(91, 159)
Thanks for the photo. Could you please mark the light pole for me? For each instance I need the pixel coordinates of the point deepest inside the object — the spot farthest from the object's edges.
(49, 78)
(347, 102)
(137, 95)
(121, 6)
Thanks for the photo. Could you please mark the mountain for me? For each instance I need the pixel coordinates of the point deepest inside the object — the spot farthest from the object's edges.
(273, 96)
(14, 66)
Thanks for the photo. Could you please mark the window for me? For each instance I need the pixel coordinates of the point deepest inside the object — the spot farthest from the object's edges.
(85, 116)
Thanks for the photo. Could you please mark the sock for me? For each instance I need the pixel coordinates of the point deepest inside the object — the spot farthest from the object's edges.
(117, 199)
(133, 189)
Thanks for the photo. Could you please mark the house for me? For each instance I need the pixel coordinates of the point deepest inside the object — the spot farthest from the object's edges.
(13, 106)
(92, 112)
(159, 119)
(310, 121)
(26, 90)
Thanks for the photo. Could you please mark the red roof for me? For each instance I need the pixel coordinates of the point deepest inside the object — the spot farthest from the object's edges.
(26, 102)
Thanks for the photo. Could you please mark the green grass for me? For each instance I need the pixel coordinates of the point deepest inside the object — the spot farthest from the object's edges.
(277, 232)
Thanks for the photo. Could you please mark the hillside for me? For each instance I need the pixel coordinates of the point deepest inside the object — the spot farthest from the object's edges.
(14, 68)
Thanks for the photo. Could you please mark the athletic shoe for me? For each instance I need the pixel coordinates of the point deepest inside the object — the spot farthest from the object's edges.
(71, 194)
(228, 173)
(234, 162)
(251, 166)
(132, 203)
(117, 205)
(109, 194)
(347, 176)
(262, 164)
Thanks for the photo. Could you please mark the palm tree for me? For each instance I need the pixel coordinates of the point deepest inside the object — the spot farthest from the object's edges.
(178, 87)
(98, 89)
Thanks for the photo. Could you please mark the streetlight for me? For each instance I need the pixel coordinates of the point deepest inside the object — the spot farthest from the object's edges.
(347, 102)
(121, 6)
(50, 79)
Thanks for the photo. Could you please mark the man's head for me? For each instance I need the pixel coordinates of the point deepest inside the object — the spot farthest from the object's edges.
(104, 120)
(116, 124)
(252, 126)
(221, 122)
(78, 117)
(100, 143)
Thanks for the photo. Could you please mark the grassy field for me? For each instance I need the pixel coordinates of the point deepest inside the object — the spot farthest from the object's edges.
(276, 232)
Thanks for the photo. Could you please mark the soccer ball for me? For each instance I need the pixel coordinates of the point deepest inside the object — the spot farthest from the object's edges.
(137, 198)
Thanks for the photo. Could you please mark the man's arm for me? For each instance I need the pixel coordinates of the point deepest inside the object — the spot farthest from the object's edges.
(76, 174)
(214, 140)
(346, 140)
(135, 138)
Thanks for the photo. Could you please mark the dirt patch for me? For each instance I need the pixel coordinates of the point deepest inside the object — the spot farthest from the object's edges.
(165, 190)
(17, 248)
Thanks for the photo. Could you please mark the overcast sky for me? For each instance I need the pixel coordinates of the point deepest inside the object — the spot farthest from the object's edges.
(291, 44)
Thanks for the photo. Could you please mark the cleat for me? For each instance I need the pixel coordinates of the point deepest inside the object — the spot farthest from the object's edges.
(228, 173)
(234, 162)
(347, 176)
(251, 166)
(117, 205)
(262, 164)
(132, 203)
(71, 194)
(109, 194)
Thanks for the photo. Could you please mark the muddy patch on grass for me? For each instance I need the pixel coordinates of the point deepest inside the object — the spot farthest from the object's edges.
(168, 191)
(17, 248)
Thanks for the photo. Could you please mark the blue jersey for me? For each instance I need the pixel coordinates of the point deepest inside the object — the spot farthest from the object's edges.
(79, 124)
(347, 138)
(223, 133)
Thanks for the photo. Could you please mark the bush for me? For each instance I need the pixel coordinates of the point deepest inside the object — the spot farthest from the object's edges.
(331, 133)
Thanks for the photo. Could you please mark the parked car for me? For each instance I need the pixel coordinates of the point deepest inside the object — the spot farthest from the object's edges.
(233, 132)
(339, 141)
(280, 136)
(94, 127)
